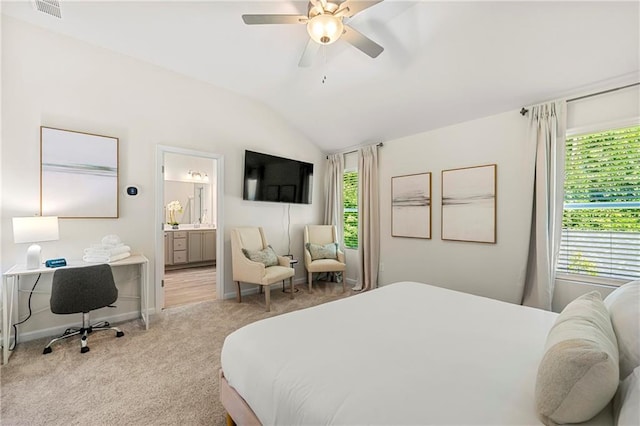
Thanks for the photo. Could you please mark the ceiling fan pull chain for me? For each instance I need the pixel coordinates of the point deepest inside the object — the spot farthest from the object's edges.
(324, 57)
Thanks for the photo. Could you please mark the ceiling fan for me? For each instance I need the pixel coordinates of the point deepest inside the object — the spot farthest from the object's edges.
(325, 25)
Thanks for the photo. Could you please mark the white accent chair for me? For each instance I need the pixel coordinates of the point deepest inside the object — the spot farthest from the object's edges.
(246, 270)
(322, 235)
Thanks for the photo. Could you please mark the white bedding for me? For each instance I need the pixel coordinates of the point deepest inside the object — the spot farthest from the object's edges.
(407, 353)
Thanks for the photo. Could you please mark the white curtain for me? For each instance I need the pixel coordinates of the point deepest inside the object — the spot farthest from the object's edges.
(369, 218)
(333, 185)
(547, 131)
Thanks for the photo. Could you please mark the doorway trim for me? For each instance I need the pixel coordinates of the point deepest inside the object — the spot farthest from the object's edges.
(161, 150)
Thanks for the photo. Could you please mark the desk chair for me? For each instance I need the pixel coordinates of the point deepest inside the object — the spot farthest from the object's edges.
(81, 290)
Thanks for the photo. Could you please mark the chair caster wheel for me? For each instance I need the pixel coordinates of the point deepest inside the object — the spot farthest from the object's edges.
(46, 351)
(120, 334)
(84, 350)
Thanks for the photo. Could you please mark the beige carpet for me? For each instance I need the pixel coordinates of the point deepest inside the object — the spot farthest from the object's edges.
(167, 375)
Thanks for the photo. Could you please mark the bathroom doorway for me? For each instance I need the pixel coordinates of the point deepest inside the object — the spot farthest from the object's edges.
(189, 248)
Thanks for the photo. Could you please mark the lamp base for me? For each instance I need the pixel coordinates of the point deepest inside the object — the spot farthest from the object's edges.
(33, 257)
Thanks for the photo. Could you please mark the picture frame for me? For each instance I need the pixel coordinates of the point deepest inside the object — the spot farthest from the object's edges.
(469, 201)
(79, 174)
(411, 206)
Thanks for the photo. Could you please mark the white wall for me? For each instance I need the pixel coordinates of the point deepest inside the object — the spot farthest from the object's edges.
(53, 80)
(492, 270)
(1, 131)
(595, 112)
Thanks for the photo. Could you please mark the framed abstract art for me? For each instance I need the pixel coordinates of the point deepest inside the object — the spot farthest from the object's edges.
(469, 204)
(78, 175)
(411, 206)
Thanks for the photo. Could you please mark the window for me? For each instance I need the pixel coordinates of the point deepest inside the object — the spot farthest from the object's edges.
(350, 181)
(601, 218)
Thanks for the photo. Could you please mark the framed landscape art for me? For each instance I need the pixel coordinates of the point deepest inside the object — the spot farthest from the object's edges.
(469, 204)
(78, 175)
(411, 206)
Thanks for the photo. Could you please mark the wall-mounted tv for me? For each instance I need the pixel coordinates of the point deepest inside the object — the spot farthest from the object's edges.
(276, 179)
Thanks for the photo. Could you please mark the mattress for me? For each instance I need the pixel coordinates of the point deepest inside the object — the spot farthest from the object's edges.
(406, 353)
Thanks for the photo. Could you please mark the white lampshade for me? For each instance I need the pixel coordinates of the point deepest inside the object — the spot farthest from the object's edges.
(325, 28)
(35, 229)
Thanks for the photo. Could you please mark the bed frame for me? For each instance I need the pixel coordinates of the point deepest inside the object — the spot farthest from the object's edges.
(238, 411)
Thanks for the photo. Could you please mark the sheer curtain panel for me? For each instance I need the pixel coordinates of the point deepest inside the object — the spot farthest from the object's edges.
(547, 131)
(369, 220)
(333, 185)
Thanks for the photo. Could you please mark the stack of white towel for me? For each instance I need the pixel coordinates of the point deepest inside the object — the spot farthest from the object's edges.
(109, 250)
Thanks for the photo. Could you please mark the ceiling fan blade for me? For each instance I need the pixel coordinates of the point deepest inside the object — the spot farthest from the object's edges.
(274, 19)
(309, 54)
(316, 5)
(351, 7)
(361, 42)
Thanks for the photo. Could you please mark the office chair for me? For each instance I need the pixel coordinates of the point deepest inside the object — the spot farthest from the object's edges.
(81, 290)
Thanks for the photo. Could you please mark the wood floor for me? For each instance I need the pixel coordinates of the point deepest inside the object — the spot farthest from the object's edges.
(191, 285)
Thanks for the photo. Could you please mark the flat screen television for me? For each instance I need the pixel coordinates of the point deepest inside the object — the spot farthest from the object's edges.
(276, 179)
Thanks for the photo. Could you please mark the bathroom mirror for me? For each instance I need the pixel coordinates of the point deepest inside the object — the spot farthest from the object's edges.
(195, 199)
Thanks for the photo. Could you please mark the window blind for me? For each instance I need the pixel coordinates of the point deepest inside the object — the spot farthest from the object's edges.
(601, 218)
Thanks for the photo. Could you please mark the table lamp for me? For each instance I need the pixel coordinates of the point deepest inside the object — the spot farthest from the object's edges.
(34, 229)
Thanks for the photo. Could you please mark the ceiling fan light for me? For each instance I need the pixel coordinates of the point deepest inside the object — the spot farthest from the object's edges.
(325, 29)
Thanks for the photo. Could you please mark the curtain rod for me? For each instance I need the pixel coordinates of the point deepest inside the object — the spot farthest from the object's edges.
(524, 110)
(355, 150)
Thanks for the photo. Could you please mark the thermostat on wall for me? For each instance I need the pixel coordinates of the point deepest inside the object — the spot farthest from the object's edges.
(132, 190)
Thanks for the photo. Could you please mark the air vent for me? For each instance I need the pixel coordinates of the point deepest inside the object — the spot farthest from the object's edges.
(50, 7)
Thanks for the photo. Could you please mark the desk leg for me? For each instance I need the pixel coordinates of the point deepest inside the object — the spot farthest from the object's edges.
(8, 292)
(144, 294)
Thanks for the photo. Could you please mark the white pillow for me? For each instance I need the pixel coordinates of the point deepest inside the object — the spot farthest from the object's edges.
(624, 308)
(626, 405)
(578, 374)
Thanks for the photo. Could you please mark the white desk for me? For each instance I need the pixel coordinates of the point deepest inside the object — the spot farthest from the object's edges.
(11, 280)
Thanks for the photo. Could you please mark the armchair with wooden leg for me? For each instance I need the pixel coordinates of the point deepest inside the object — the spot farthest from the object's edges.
(255, 262)
(322, 251)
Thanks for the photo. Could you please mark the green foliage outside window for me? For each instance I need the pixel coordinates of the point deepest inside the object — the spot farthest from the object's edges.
(350, 201)
(579, 265)
(601, 217)
(603, 168)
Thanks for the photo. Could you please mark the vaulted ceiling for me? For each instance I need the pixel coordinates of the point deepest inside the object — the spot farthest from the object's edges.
(443, 63)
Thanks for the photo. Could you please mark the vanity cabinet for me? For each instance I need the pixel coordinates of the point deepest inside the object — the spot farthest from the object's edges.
(179, 247)
(186, 248)
(202, 246)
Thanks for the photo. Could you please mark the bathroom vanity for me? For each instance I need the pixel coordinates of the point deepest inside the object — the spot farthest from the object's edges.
(189, 246)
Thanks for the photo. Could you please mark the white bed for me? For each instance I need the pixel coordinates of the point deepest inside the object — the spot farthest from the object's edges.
(407, 353)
